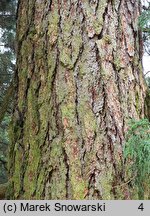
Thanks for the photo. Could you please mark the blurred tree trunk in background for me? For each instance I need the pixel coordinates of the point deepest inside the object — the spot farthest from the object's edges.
(78, 82)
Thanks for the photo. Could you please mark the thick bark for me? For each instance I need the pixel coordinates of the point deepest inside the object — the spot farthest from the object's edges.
(3, 188)
(79, 80)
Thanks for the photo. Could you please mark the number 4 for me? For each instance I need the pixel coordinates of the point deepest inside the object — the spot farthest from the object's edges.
(141, 207)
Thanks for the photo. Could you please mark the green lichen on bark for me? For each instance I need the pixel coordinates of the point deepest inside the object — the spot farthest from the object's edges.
(74, 94)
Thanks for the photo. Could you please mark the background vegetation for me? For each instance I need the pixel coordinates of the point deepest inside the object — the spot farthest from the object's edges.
(7, 68)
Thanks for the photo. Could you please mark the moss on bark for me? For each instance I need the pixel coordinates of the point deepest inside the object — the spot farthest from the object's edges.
(78, 67)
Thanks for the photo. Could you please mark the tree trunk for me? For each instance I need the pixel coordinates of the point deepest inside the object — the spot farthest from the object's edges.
(3, 188)
(78, 82)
